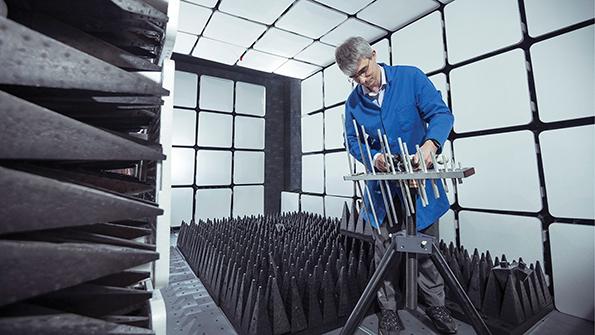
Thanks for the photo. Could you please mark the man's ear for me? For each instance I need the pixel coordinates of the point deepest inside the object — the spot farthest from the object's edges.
(374, 55)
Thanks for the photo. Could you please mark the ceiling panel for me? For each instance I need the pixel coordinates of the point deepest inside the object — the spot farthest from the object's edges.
(208, 3)
(352, 27)
(234, 30)
(317, 53)
(264, 11)
(217, 51)
(184, 43)
(282, 43)
(295, 69)
(347, 6)
(310, 19)
(193, 18)
(394, 14)
(261, 61)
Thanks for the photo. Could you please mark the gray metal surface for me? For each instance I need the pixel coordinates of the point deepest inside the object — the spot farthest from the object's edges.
(28, 58)
(29, 131)
(190, 308)
(442, 174)
(31, 268)
(556, 323)
(82, 41)
(85, 205)
(66, 324)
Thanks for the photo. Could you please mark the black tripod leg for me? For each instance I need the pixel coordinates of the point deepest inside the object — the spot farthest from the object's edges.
(369, 294)
(476, 321)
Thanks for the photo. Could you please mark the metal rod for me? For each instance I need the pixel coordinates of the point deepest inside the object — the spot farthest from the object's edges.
(421, 194)
(405, 183)
(401, 183)
(463, 173)
(476, 321)
(386, 183)
(352, 164)
(361, 151)
(425, 170)
(364, 302)
(411, 272)
(421, 162)
(436, 168)
(384, 199)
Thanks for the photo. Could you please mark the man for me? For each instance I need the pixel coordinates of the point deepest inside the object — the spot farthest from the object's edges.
(401, 102)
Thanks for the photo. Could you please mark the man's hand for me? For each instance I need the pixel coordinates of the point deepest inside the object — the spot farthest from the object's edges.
(380, 164)
(428, 148)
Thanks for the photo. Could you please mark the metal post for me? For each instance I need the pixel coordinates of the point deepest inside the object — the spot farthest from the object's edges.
(370, 201)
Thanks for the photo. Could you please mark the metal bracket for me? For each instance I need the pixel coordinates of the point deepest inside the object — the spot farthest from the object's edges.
(419, 244)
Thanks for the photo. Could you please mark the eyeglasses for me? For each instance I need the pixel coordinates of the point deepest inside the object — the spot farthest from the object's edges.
(362, 72)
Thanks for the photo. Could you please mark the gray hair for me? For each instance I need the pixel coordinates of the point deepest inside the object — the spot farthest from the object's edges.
(348, 54)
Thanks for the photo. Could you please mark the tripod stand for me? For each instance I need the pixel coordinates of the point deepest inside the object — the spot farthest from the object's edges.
(412, 243)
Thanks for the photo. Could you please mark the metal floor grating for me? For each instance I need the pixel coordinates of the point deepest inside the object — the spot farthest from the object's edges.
(192, 311)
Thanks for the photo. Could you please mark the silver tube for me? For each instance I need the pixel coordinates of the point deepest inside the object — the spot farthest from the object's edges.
(421, 197)
(404, 190)
(422, 182)
(435, 164)
(425, 169)
(367, 189)
(352, 164)
(406, 183)
(386, 183)
(386, 208)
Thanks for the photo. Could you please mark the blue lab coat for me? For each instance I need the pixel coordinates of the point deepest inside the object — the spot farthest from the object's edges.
(413, 110)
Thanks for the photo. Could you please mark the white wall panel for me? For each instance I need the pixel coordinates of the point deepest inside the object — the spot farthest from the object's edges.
(313, 173)
(249, 133)
(290, 202)
(250, 99)
(336, 85)
(333, 128)
(544, 16)
(182, 166)
(213, 167)
(569, 168)
(214, 129)
(505, 172)
(312, 132)
(248, 200)
(573, 268)
(213, 204)
(382, 48)
(563, 69)
(476, 27)
(336, 167)
(333, 206)
(447, 230)
(514, 236)
(248, 167)
(181, 205)
(312, 204)
(312, 93)
(184, 127)
(429, 55)
(216, 94)
(439, 81)
(491, 93)
(185, 89)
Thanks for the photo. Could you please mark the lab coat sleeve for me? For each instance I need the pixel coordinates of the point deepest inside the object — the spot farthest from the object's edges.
(433, 109)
